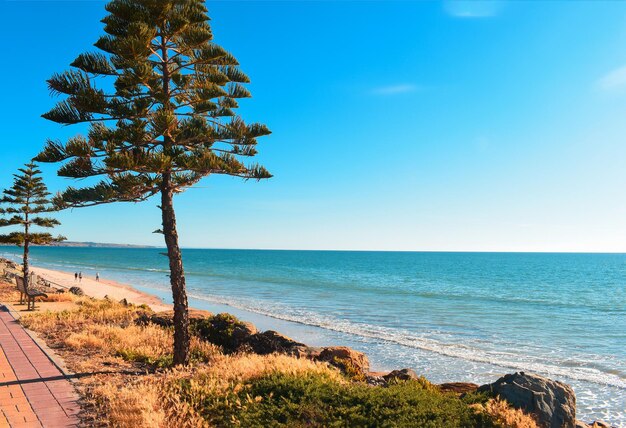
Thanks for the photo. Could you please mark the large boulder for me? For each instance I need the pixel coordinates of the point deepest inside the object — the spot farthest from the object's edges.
(552, 402)
(269, 342)
(353, 363)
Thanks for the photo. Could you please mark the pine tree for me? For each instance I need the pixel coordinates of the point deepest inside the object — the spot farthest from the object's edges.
(162, 118)
(27, 198)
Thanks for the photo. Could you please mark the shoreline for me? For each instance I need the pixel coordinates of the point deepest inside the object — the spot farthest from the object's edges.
(104, 287)
(118, 290)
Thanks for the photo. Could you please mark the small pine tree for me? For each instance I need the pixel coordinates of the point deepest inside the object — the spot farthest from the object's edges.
(27, 198)
(165, 119)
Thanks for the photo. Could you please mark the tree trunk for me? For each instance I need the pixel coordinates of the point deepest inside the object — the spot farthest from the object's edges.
(25, 269)
(177, 274)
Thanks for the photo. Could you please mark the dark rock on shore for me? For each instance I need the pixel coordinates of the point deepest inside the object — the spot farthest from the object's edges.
(376, 379)
(304, 351)
(77, 291)
(269, 342)
(596, 424)
(353, 363)
(552, 402)
(404, 374)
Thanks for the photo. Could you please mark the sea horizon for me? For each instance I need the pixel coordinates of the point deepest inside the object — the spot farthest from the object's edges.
(182, 247)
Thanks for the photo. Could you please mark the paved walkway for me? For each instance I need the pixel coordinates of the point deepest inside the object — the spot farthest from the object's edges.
(33, 391)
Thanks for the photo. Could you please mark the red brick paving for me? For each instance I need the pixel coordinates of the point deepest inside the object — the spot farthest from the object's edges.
(33, 391)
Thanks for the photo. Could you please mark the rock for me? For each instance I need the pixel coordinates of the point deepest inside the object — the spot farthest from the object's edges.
(77, 291)
(404, 374)
(224, 330)
(304, 351)
(270, 342)
(458, 387)
(552, 402)
(376, 378)
(124, 301)
(601, 424)
(353, 363)
(596, 424)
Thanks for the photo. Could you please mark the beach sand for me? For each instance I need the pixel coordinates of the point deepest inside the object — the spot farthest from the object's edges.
(104, 287)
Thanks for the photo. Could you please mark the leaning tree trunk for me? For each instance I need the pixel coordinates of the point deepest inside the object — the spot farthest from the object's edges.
(177, 275)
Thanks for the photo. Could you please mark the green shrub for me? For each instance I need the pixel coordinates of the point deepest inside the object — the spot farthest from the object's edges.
(223, 330)
(131, 355)
(316, 400)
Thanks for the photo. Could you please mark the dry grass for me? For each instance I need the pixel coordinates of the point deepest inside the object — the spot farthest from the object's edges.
(128, 402)
(88, 312)
(145, 344)
(503, 414)
(59, 297)
(8, 292)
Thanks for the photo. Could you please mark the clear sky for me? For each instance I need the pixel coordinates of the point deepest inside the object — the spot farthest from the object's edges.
(396, 125)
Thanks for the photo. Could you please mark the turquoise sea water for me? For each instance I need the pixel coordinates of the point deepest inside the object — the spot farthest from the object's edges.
(449, 316)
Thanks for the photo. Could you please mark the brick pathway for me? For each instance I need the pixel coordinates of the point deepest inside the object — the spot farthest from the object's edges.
(33, 391)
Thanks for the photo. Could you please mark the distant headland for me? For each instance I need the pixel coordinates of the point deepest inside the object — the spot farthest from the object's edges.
(91, 245)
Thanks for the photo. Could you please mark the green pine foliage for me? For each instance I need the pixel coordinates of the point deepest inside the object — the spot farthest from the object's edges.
(24, 203)
(160, 98)
(170, 108)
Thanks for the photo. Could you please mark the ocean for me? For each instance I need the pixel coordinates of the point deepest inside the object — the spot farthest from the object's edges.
(449, 316)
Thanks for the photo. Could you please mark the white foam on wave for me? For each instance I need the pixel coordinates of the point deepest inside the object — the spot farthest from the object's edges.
(506, 359)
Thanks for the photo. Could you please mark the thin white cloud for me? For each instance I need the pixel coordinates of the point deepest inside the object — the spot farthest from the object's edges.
(613, 80)
(395, 89)
(472, 8)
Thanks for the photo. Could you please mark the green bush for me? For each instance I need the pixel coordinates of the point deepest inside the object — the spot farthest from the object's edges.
(224, 330)
(138, 357)
(316, 400)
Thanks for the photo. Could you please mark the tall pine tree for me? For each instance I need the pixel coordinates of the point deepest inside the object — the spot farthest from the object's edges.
(26, 200)
(162, 118)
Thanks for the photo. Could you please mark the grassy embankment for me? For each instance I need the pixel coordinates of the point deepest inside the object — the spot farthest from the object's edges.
(126, 380)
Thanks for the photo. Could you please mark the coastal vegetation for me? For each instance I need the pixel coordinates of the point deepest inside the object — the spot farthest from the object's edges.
(126, 376)
(164, 119)
(25, 201)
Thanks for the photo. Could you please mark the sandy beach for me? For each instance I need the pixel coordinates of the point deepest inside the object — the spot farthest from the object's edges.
(104, 287)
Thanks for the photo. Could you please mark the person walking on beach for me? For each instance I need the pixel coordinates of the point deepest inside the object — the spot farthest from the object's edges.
(75, 276)
(80, 277)
(97, 277)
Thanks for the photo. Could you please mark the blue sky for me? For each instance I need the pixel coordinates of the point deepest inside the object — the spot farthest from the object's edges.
(404, 125)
